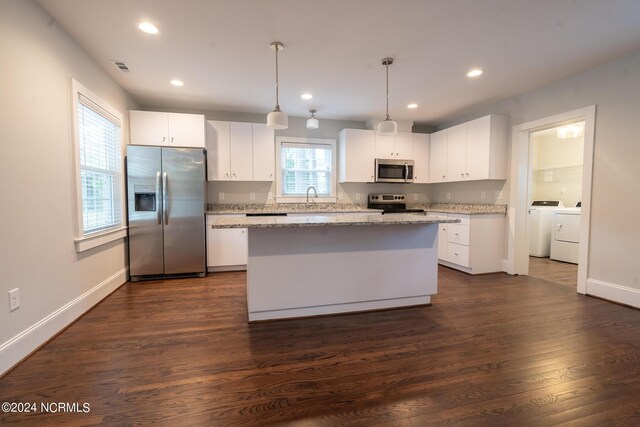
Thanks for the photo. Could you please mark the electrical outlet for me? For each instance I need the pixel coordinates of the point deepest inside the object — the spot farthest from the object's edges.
(14, 299)
(448, 196)
(252, 196)
(563, 190)
(483, 195)
(221, 196)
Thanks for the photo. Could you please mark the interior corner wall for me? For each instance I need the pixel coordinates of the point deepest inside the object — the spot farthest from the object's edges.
(37, 219)
(614, 233)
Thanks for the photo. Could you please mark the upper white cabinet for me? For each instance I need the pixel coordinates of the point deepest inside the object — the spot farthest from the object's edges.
(438, 156)
(421, 158)
(168, 129)
(356, 155)
(239, 151)
(470, 151)
(398, 146)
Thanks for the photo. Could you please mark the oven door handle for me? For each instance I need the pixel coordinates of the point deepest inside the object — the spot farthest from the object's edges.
(406, 171)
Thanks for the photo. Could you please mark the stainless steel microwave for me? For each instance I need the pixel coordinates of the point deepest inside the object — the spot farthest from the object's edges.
(394, 170)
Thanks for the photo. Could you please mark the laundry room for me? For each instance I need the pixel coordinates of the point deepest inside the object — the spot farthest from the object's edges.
(556, 193)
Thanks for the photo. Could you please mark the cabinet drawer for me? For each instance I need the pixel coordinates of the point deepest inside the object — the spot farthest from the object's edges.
(458, 254)
(458, 233)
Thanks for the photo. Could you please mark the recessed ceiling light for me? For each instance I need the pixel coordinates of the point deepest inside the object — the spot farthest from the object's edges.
(306, 96)
(148, 28)
(474, 72)
(412, 106)
(178, 83)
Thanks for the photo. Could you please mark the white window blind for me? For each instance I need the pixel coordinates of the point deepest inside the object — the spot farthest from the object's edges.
(100, 167)
(305, 165)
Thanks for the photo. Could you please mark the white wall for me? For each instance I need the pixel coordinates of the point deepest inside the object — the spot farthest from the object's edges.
(614, 88)
(556, 167)
(37, 215)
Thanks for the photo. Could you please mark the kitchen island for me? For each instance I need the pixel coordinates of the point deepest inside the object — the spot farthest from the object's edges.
(320, 264)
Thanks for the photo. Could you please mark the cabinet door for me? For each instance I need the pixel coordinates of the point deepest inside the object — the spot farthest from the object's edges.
(148, 128)
(264, 157)
(421, 158)
(241, 148)
(438, 156)
(478, 148)
(404, 146)
(442, 240)
(457, 153)
(458, 233)
(385, 147)
(458, 254)
(226, 247)
(356, 155)
(218, 154)
(186, 130)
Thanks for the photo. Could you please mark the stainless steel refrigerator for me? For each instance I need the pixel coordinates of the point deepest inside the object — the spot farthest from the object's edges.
(166, 198)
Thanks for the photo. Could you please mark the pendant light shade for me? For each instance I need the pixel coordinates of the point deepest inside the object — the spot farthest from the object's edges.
(387, 126)
(277, 119)
(313, 123)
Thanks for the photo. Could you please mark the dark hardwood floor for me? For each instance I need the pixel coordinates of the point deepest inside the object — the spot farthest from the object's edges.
(492, 350)
(563, 273)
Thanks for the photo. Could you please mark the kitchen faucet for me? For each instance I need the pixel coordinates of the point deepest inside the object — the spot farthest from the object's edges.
(314, 192)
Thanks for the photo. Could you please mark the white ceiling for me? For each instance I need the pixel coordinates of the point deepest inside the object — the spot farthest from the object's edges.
(333, 49)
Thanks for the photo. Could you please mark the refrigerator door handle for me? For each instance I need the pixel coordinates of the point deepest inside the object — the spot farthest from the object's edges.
(158, 210)
(165, 200)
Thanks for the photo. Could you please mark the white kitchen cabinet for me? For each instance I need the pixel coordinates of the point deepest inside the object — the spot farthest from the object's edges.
(166, 129)
(475, 245)
(398, 146)
(457, 152)
(356, 155)
(226, 247)
(264, 153)
(438, 156)
(487, 148)
(421, 158)
(240, 152)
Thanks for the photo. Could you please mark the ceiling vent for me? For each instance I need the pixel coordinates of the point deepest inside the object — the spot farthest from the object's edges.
(122, 66)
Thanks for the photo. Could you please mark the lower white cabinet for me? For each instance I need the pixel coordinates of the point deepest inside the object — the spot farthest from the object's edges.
(226, 248)
(475, 245)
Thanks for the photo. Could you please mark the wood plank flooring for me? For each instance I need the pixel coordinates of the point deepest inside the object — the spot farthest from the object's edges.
(563, 273)
(492, 350)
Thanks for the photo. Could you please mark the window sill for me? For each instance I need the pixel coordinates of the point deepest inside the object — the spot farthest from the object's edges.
(283, 199)
(90, 242)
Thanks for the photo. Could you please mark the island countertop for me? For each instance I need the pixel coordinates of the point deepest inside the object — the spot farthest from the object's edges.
(325, 220)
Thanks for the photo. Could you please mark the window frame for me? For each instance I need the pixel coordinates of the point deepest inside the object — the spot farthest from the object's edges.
(85, 241)
(280, 198)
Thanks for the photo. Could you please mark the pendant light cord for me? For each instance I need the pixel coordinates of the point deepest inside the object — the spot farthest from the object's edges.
(277, 98)
(387, 65)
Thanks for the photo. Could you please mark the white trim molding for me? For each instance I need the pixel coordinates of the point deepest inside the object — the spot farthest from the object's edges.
(26, 342)
(520, 177)
(90, 242)
(613, 292)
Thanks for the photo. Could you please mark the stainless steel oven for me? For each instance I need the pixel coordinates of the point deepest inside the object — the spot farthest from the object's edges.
(394, 170)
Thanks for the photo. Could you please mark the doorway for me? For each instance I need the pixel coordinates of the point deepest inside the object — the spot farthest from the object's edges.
(521, 192)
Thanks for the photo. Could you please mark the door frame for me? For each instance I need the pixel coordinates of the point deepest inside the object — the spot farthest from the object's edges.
(520, 179)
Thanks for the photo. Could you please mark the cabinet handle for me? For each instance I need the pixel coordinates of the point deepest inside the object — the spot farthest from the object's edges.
(467, 173)
(397, 154)
(164, 138)
(455, 253)
(226, 174)
(171, 139)
(371, 177)
(391, 154)
(234, 174)
(442, 176)
(461, 174)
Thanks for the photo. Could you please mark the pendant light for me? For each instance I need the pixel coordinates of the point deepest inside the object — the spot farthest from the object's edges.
(277, 119)
(313, 123)
(387, 126)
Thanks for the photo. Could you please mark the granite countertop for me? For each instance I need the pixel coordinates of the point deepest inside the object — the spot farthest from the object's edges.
(455, 208)
(324, 220)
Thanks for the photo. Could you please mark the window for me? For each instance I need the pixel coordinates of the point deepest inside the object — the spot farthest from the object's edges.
(98, 153)
(304, 163)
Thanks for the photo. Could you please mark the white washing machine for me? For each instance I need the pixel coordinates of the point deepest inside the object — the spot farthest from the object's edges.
(540, 225)
(565, 239)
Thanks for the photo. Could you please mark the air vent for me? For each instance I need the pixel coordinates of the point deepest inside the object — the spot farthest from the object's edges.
(122, 66)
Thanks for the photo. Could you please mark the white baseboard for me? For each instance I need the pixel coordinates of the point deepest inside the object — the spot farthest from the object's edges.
(23, 344)
(613, 292)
